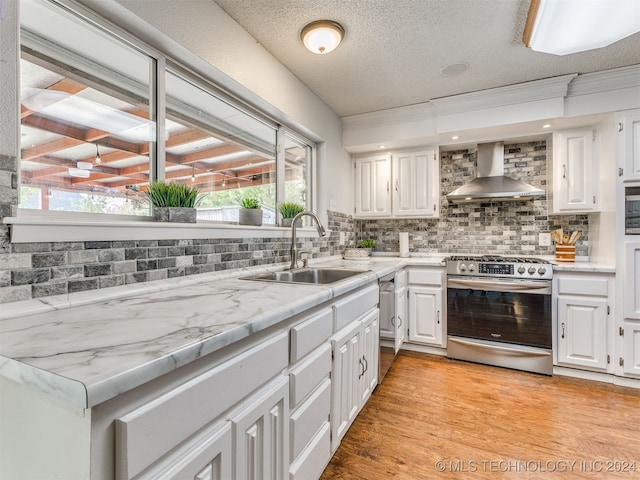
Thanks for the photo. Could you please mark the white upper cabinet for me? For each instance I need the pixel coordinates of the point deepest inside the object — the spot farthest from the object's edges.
(629, 145)
(373, 186)
(398, 185)
(415, 184)
(575, 179)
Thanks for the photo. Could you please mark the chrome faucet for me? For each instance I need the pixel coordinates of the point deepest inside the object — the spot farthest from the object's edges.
(294, 248)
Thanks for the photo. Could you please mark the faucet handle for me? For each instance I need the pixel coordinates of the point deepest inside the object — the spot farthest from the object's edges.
(305, 261)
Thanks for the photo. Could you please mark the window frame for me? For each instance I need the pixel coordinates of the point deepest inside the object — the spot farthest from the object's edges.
(33, 225)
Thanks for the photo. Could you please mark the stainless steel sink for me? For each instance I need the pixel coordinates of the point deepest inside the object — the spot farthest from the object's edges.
(318, 276)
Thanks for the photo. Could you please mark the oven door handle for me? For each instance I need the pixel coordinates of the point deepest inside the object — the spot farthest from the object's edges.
(499, 286)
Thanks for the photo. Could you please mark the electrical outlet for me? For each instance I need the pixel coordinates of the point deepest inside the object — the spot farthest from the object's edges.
(544, 239)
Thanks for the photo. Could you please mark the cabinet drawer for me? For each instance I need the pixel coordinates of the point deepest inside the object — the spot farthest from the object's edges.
(309, 334)
(306, 376)
(314, 458)
(350, 308)
(147, 433)
(425, 276)
(598, 287)
(307, 420)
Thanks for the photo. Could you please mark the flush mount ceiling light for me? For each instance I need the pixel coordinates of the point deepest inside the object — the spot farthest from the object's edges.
(84, 165)
(562, 27)
(78, 173)
(322, 36)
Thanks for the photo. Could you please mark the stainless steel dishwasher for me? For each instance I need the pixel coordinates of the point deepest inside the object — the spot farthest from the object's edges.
(387, 324)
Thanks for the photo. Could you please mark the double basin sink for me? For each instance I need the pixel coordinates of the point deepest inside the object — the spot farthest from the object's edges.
(314, 275)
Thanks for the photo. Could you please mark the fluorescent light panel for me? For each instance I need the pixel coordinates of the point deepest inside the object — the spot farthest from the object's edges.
(562, 27)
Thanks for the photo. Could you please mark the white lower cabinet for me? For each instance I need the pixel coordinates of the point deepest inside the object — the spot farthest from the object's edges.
(426, 307)
(400, 321)
(631, 349)
(261, 434)
(582, 335)
(354, 374)
(263, 408)
(583, 311)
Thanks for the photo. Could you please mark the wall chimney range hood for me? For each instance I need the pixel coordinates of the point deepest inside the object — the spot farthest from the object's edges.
(491, 184)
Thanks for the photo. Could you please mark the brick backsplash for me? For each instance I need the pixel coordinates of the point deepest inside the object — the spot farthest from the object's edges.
(33, 270)
(506, 228)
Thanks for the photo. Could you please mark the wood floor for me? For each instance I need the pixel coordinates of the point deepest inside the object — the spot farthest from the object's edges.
(438, 418)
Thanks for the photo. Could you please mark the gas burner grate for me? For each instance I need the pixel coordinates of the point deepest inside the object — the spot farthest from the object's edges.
(494, 259)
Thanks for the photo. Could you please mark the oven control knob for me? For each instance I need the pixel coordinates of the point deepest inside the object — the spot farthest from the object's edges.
(521, 270)
(532, 270)
(471, 267)
(542, 270)
(463, 267)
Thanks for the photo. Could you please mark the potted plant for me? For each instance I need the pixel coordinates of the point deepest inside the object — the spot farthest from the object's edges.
(362, 250)
(289, 210)
(173, 202)
(368, 244)
(250, 213)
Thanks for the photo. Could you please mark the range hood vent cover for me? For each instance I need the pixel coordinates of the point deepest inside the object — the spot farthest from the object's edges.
(491, 184)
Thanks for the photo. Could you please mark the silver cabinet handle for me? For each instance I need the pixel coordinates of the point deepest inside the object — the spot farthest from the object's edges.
(396, 185)
(564, 171)
(362, 372)
(366, 364)
(388, 185)
(562, 330)
(393, 321)
(438, 315)
(399, 318)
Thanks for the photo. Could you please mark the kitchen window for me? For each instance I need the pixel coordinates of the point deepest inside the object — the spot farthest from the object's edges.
(101, 118)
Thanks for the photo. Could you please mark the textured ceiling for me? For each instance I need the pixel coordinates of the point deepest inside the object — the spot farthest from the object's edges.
(394, 49)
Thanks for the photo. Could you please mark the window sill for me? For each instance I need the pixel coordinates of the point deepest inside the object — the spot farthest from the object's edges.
(30, 228)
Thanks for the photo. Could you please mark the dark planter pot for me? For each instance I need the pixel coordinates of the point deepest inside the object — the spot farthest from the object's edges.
(174, 214)
(250, 216)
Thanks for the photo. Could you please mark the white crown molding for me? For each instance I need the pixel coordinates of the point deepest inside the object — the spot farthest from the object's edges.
(548, 88)
(605, 81)
(419, 112)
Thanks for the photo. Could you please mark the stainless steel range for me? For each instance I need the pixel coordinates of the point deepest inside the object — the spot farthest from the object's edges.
(499, 311)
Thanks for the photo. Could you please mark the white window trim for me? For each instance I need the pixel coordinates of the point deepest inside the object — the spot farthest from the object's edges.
(33, 227)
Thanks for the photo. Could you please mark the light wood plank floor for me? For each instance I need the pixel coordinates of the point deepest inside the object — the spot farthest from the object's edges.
(487, 422)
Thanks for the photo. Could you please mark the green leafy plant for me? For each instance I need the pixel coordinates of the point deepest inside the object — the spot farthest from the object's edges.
(290, 209)
(250, 202)
(162, 194)
(366, 243)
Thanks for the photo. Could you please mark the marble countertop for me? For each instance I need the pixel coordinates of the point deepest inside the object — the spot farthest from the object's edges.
(93, 351)
(89, 347)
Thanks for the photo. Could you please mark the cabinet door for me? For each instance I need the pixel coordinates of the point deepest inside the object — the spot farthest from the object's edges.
(347, 365)
(387, 313)
(262, 434)
(207, 457)
(582, 332)
(415, 184)
(373, 186)
(631, 359)
(400, 318)
(370, 352)
(632, 281)
(574, 182)
(425, 316)
(629, 145)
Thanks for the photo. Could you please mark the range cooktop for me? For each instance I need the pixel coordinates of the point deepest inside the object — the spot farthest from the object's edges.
(499, 266)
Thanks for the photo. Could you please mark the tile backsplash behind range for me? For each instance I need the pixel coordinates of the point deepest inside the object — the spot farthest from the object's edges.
(510, 227)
